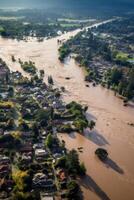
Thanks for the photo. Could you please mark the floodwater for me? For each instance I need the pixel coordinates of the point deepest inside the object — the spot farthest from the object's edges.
(115, 179)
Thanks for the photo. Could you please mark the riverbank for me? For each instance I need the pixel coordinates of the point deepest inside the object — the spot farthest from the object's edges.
(105, 55)
(112, 129)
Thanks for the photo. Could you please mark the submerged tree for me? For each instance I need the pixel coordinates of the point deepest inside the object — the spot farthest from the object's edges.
(50, 80)
(42, 73)
(91, 124)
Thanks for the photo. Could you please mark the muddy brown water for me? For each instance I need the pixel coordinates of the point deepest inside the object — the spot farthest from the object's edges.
(115, 179)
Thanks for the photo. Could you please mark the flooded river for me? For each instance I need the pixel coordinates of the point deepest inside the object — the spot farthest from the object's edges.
(114, 180)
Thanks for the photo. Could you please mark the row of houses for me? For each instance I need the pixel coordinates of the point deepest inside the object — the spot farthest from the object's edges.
(30, 151)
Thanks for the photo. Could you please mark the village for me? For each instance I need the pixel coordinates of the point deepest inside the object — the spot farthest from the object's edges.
(106, 52)
(33, 162)
(119, 50)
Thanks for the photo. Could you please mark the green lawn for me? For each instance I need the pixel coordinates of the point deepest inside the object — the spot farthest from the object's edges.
(122, 56)
(10, 18)
(1, 29)
(70, 25)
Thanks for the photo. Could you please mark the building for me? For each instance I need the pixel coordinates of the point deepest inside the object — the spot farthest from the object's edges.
(44, 196)
(40, 152)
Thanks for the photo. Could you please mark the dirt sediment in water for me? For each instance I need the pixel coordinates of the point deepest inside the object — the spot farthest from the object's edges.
(115, 179)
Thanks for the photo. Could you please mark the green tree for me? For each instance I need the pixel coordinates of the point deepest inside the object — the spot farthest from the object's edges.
(82, 169)
(80, 124)
(116, 75)
(49, 141)
(61, 162)
(17, 195)
(35, 130)
(73, 189)
(23, 125)
(91, 124)
(72, 162)
(13, 58)
(42, 73)
(10, 124)
(11, 91)
(43, 114)
(50, 80)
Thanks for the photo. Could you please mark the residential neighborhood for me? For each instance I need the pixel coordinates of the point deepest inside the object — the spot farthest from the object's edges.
(33, 161)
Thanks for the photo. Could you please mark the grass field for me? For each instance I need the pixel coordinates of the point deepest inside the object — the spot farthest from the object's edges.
(70, 25)
(1, 29)
(122, 56)
(10, 18)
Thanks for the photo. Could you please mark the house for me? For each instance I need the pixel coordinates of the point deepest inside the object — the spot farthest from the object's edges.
(4, 160)
(44, 133)
(40, 180)
(26, 148)
(4, 170)
(57, 155)
(39, 153)
(6, 184)
(4, 95)
(47, 184)
(62, 175)
(7, 133)
(27, 134)
(26, 158)
(39, 145)
(39, 176)
(44, 196)
(4, 195)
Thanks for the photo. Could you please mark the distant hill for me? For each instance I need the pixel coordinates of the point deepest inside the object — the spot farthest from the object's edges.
(92, 7)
